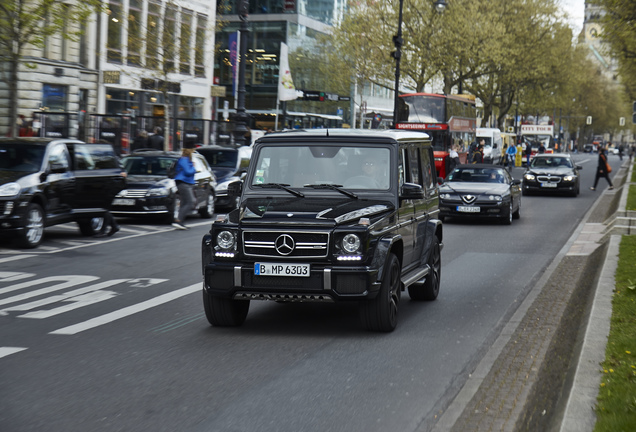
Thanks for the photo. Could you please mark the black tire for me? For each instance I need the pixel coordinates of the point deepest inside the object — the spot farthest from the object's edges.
(380, 314)
(225, 312)
(442, 218)
(429, 290)
(33, 232)
(517, 214)
(173, 210)
(90, 227)
(208, 210)
(507, 218)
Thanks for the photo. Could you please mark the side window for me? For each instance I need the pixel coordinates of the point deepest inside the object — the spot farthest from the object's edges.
(95, 157)
(403, 167)
(415, 165)
(428, 167)
(59, 156)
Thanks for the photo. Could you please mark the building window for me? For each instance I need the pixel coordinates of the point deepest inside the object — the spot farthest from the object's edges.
(121, 101)
(54, 97)
(169, 37)
(134, 32)
(65, 31)
(114, 31)
(184, 49)
(199, 46)
(83, 44)
(153, 36)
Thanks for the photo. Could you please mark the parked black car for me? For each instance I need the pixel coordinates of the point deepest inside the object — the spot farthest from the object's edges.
(480, 191)
(46, 182)
(229, 165)
(150, 192)
(328, 215)
(552, 173)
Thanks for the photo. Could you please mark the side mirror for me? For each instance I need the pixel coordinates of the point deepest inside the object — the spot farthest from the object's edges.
(57, 168)
(440, 180)
(579, 167)
(516, 181)
(235, 189)
(411, 191)
(494, 145)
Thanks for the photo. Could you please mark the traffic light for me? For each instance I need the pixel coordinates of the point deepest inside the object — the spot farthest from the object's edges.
(321, 98)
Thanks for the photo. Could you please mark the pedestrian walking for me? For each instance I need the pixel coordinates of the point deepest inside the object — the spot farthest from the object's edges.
(511, 153)
(155, 141)
(141, 140)
(109, 221)
(184, 177)
(453, 159)
(472, 148)
(478, 156)
(528, 153)
(602, 169)
(620, 151)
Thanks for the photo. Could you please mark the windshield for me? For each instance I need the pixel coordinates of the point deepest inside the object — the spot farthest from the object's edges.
(303, 166)
(551, 162)
(139, 165)
(21, 157)
(478, 175)
(221, 158)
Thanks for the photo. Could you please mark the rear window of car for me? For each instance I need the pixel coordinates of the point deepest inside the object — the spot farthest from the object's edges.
(94, 157)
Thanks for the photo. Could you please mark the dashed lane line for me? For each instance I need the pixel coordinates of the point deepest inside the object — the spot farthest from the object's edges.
(5, 351)
(127, 311)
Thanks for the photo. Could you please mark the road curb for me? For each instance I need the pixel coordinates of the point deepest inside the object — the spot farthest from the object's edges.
(523, 379)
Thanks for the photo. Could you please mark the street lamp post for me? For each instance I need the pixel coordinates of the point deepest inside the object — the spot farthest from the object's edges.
(440, 6)
(240, 128)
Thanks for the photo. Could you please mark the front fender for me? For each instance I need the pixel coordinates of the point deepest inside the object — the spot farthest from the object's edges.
(385, 246)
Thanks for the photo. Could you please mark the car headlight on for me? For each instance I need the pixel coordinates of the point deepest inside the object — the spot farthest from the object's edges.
(351, 243)
(10, 189)
(225, 240)
(529, 177)
(568, 178)
(495, 198)
(157, 191)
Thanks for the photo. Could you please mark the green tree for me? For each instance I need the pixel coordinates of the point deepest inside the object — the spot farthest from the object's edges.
(25, 23)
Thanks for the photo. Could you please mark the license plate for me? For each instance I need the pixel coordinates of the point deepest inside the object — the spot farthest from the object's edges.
(467, 209)
(124, 201)
(276, 269)
(548, 185)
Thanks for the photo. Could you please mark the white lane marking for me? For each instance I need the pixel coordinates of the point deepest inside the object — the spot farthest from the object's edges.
(15, 258)
(76, 303)
(5, 351)
(130, 310)
(14, 276)
(59, 298)
(68, 281)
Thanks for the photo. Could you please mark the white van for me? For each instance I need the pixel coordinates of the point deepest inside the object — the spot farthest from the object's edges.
(493, 143)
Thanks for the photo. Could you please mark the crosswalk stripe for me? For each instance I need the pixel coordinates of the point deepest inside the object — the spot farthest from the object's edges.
(5, 351)
(127, 311)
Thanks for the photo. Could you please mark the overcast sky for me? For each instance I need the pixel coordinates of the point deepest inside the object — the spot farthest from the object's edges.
(576, 10)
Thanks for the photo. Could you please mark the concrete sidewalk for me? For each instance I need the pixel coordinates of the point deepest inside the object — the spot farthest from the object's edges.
(543, 371)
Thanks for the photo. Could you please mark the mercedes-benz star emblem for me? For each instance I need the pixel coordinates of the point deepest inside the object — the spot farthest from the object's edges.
(285, 244)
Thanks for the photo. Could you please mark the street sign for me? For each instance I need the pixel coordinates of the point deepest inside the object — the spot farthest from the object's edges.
(621, 121)
(588, 120)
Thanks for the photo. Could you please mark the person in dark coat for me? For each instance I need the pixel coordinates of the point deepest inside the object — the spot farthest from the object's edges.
(156, 140)
(141, 140)
(601, 169)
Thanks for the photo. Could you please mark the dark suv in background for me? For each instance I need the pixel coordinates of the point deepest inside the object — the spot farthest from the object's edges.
(327, 216)
(45, 182)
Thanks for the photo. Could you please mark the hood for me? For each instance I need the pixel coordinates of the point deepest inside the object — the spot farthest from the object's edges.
(143, 181)
(474, 188)
(550, 170)
(223, 173)
(7, 176)
(321, 211)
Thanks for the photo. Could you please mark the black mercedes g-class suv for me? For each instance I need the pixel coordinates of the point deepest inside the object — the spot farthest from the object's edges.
(328, 215)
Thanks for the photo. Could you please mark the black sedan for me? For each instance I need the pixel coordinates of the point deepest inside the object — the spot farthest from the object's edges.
(480, 191)
(150, 192)
(553, 173)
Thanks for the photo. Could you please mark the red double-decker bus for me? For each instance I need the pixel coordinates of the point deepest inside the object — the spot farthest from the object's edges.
(448, 119)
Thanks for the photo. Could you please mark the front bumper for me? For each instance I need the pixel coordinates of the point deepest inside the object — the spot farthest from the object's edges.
(143, 206)
(560, 187)
(326, 283)
(486, 210)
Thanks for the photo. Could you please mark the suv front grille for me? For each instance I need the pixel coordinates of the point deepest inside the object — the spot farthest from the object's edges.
(136, 193)
(285, 244)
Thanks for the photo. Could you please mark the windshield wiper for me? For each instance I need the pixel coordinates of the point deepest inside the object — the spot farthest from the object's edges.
(335, 187)
(282, 186)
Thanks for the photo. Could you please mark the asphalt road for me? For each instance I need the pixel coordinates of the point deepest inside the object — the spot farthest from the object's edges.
(109, 334)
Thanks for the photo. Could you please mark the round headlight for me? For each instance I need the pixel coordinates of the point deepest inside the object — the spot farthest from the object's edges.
(568, 178)
(529, 177)
(225, 240)
(351, 243)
